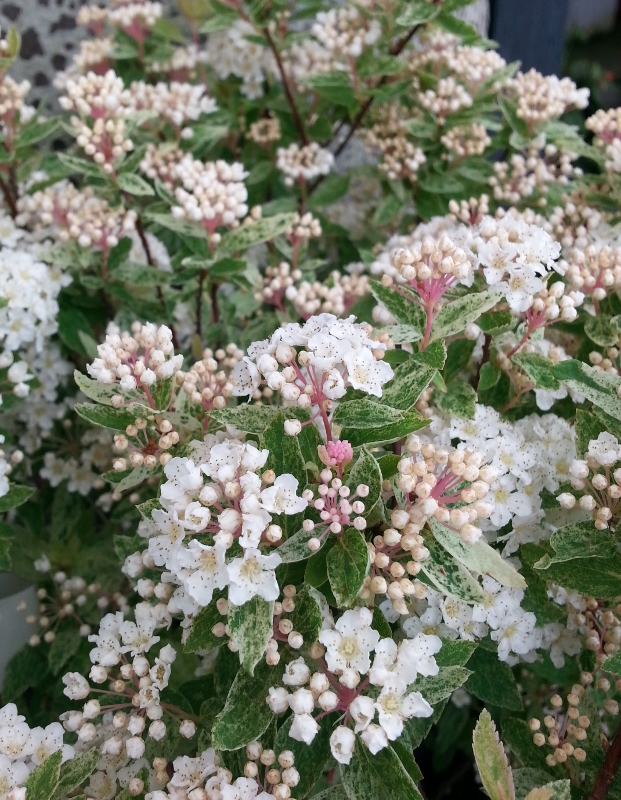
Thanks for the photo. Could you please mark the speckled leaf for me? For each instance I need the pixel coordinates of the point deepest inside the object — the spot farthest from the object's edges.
(478, 557)
(347, 564)
(370, 777)
(492, 760)
(75, 771)
(306, 616)
(201, 637)
(408, 422)
(407, 385)
(251, 626)
(255, 232)
(404, 310)
(454, 317)
(42, 782)
(538, 369)
(16, 496)
(437, 688)
(449, 575)
(597, 386)
(105, 416)
(366, 470)
(581, 540)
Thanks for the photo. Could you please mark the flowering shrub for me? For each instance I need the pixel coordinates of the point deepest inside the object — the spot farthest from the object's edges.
(311, 411)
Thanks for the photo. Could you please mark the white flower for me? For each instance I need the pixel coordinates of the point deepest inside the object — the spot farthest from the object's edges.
(507, 501)
(519, 289)
(374, 737)
(342, 743)
(393, 706)
(76, 686)
(304, 728)
(190, 772)
(365, 372)
(206, 570)
(351, 641)
(516, 635)
(281, 496)
(362, 711)
(605, 449)
(253, 575)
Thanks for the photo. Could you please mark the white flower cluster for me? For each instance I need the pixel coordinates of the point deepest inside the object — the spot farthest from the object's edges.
(541, 98)
(303, 163)
(176, 102)
(160, 163)
(528, 176)
(346, 31)
(347, 646)
(218, 492)
(388, 137)
(92, 56)
(12, 96)
(338, 353)
(306, 57)
(230, 53)
(29, 290)
(23, 748)
(463, 141)
(65, 212)
(119, 359)
(599, 477)
(135, 19)
(211, 193)
(95, 96)
(182, 64)
(83, 474)
(606, 125)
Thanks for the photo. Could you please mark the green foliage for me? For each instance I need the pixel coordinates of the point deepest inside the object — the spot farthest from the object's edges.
(491, 759)
(347, 565)
(251, 628)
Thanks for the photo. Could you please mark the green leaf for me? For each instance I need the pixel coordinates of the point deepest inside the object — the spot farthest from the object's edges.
(588, 428)
(539, 370)
(310, 760)
(492, 681)
(180, 226)
(420, 128)
(65, 645)
(578, 541)
(459, 400)
(403, 334)
(479, 557)
(370, 777)
(220, 21)
(455, 653)
(75, 771)
(133, 184)
(365, 413)
(81, 165)
(388, 210)
(296, 547)
(347, 563)
(434, 355)
(42, 782)
(26, 669)
(37, 129)
(491, 759)
(408, 422)
(140, 275)
(200, 636)
(105, 416)
(16, 496)
(366, 470)
(602, 329)
(246, 715)
(331, 189)
(251, 626)
(526, 779)
(439, 182)
(597, 386)
(613, 664)
(454, 317)
(518, 736)
(449, 575)
(406, 386)
(417, 13)
(488, 377)
(254, 233)
(595, 577)
(247, 418)
(306, 616)
(285, 458)
(437, 688)
(404, 310)
(555, 790)
(496, 322)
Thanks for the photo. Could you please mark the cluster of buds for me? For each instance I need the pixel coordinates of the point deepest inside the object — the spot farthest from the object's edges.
(530, 175)
(434, 477)
(266, 131)
(174, 101)
(606, 125)
(92, 56)
(443, 54)
(335, 295)
(277, 781)
(601, 626)
(148, 442)
(93, 18)
(12, 96)
(346, 31)
(541, 98)
(594, 270)
(609, 362)
(597, 477)
(135, 18)
(564, 731)
(67, 599)
(431, 268)
(211, 193)
(304, 163)
(447, 98)
(471, 211)
(400, 157)
(396, 556)
(136, 360)
(183, 63)
(465, 140)
(306, 58)
(14, 382)
(206, 383)
(336, 504)
(96, 96)
(106, 142)
(160, 163)
(303, 228)
(76, 214)
(572, 223)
